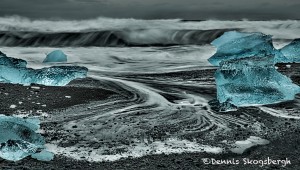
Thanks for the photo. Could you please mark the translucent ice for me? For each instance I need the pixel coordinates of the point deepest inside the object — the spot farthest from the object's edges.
(252, 81)
(11, 62)
(237, 45)
(292, 51)
(14, 70)
(247, 75)
(18, 138)
(55, 56)
(43, 156)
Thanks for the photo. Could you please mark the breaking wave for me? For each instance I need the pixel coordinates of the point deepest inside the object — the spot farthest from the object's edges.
(110, 38)
(19, 31)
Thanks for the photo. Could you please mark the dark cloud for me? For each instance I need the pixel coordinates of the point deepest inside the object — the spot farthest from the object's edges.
(153, 9)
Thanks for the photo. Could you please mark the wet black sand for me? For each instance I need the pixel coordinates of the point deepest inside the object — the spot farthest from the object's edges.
(285, 145)
(45, 98)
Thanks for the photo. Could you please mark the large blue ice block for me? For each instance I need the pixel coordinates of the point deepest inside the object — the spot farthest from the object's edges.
(19, 139)
(292, 52)
(238, 45)
(14, 70)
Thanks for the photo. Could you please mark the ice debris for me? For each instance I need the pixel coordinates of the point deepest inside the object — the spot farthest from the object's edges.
(55, 56)
(12, 106)
(18, 139)
(43, 156)
(240, 146)
(247, 75)
(14, 70)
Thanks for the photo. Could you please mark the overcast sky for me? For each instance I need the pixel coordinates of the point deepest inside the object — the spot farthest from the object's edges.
(153, 9)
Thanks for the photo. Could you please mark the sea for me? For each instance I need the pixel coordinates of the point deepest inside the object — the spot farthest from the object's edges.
(164, 85)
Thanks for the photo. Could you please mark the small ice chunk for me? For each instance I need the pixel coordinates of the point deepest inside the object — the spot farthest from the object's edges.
(56, 56)
(44, 114)
(12, 106)
(35, 87)
(43, 156)
(68, 97)
(240, 146)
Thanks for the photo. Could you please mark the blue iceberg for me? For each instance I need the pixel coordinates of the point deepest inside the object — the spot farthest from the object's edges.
(238, 45)
(292, 51)
(14, 70)
(253, 81)
(246, 75)
(18, 139)
(55, 56)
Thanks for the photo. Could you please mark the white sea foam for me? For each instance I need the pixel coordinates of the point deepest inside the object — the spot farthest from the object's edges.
(126, 59)
(287, 29)
(168, 146)
(280, 113)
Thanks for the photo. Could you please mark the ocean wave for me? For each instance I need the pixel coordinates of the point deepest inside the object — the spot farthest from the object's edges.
(152, 37)
(279, 28)
(20, 31)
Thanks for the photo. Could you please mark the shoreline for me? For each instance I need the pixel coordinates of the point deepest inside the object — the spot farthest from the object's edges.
(277, 150)
(84, 91)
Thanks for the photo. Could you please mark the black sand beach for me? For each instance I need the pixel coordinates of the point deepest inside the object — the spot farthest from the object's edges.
(283, 145)
(287, 147)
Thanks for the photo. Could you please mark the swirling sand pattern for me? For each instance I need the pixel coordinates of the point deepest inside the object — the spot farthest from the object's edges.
(164, 103)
